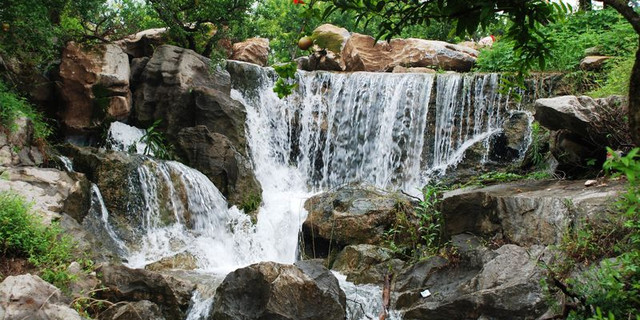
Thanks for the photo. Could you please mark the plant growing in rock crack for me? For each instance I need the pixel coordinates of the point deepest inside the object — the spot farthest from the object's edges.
(156, 143)
(417, 232)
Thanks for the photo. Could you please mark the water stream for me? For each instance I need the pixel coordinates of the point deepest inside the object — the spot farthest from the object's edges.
(388, 130)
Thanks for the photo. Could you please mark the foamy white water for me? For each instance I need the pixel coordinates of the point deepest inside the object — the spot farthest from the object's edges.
(389, 130)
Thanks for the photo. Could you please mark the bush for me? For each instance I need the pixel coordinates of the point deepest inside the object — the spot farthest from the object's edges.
(13, 106)
(23, 235)
(612, 288)
(617, 81)
(606, 30)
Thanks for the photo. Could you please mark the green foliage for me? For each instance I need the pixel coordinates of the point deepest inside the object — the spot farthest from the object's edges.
(539, 136)
(629, 167)
(200, 24)
(613, 286)
(24, 235)
(251, 203)
(285, 84)
(417, 232)
(13, 106)
(102, 20)
(156, 143)
(606, 30)
(617, 80)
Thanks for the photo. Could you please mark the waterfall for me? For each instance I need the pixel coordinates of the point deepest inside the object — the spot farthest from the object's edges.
(123, 137)
(388, 130)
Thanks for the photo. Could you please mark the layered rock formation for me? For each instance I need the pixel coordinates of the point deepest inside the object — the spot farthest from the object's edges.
(252, 50)
(182, 89)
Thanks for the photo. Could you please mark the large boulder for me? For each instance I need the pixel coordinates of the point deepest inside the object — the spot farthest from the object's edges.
(363, 53)
(583, 127)
(252, 50)
(18, 146)
(525, 213)
(593, 63)
(431, 53)
(143, 309)
(330, 37)
(168, 88)
(347, 215)
(141, 44)
(217, 157)
(500, 284)
(366, 263)
(112, 172)
(576, 114)
(52, 192)
(29, 297)
(94, 86)
(269, 290)
(169, 293)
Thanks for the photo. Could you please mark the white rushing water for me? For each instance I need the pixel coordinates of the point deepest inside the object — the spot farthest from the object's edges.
(388, 130)
(123, 137)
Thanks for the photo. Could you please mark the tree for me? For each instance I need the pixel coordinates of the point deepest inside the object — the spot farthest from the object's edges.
(199, 24)
(532, 45)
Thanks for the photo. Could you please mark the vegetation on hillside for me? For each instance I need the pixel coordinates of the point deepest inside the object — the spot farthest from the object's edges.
(23, 235)
(13, 107)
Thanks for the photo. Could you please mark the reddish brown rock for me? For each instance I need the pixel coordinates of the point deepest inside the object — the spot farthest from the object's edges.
(94, 86)
(432, 54)
(362, 53)
(253, 50)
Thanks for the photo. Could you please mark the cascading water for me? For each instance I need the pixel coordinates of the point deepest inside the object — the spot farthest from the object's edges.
(389, 130)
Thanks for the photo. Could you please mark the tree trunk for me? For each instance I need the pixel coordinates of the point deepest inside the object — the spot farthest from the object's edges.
(622, 6)
(585, 5)
(634, 100)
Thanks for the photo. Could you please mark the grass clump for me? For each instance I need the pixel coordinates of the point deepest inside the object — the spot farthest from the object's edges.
(13, 107)
(23, 235)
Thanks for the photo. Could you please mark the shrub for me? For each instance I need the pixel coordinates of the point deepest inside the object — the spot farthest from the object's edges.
(605, 30)
(23, 235)
(617, 81)
(612, 288)
(13, 106)
(417, 232)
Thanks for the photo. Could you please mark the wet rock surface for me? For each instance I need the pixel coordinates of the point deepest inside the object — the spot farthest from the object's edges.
(215, 156)
(171, 295)
(269, 290)
(347, 215)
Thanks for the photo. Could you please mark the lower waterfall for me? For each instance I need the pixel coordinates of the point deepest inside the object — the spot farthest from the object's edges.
(388, 130)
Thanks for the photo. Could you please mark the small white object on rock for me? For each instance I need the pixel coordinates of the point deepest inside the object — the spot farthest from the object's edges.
(426, 293)
(590, 183)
